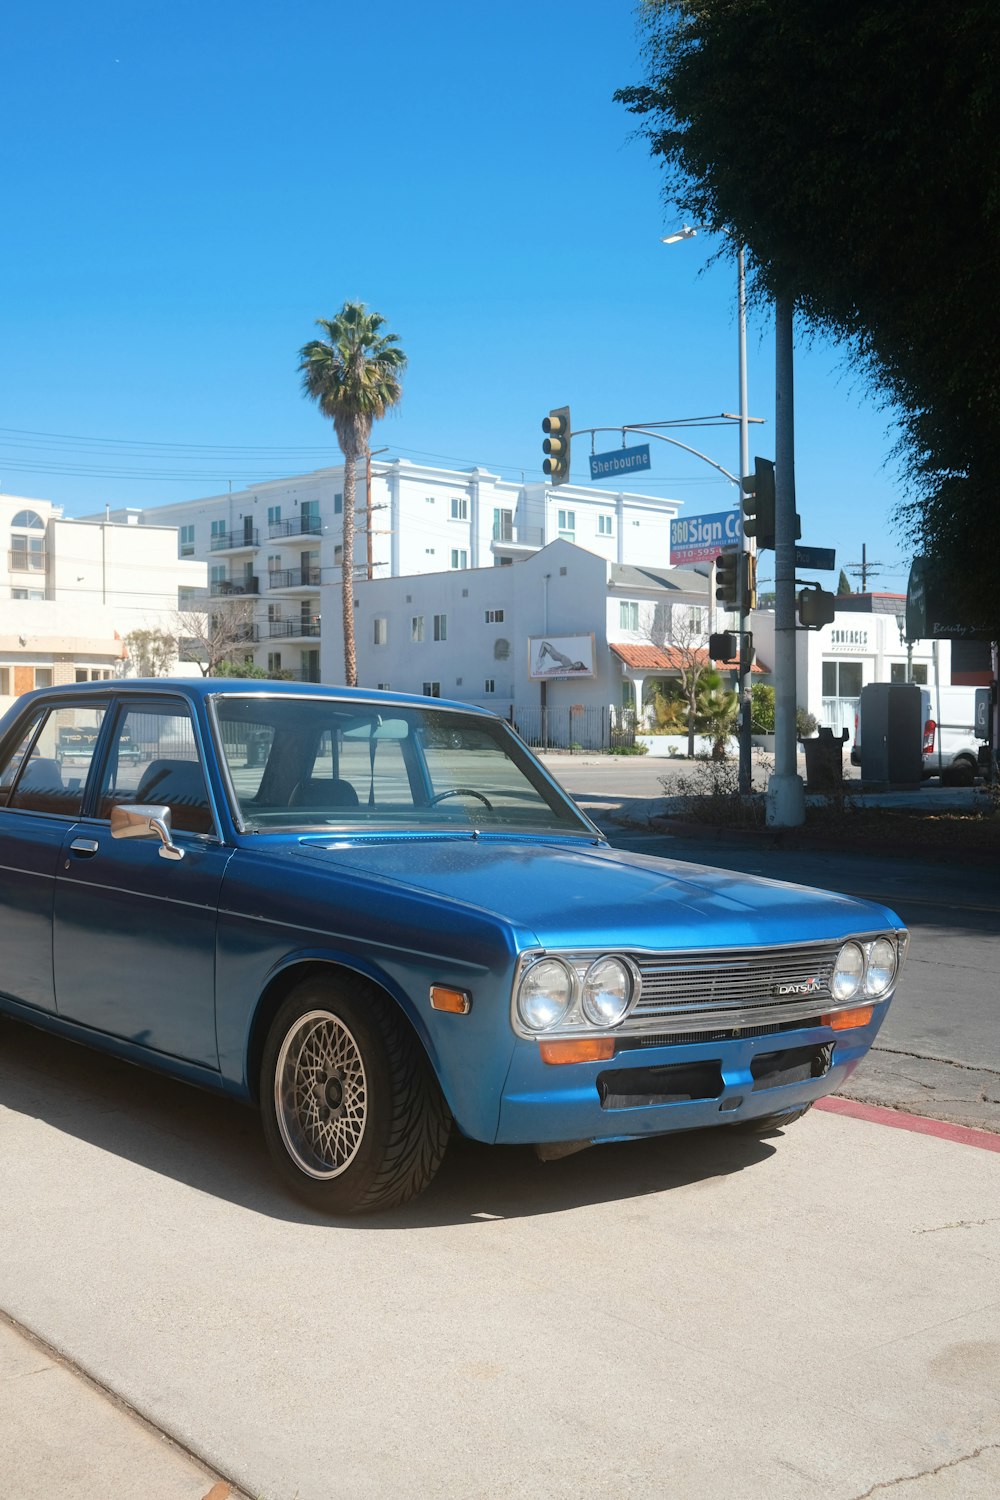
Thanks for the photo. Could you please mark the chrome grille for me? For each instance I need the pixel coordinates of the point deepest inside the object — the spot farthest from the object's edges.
(729, 988)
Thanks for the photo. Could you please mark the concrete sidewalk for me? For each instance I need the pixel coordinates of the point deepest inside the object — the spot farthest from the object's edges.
(811, 1317)
(63, 1438)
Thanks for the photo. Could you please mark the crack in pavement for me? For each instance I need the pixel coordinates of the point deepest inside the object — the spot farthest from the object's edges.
(948, 1062)
(888, 1484)
(959, 1224)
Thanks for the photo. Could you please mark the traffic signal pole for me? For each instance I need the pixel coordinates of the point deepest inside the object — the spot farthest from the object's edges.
(785, 801)
(746, 654)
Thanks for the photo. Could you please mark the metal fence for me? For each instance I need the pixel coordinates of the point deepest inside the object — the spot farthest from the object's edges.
(574, 728)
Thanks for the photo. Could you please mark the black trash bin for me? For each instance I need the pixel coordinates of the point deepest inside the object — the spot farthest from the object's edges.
(825, 760)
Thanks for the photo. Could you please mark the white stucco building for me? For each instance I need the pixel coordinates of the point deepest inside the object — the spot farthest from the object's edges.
(71, 591)
(281, 542)
(866, 643)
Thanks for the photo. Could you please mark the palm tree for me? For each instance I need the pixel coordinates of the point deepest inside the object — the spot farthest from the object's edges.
(353, 376)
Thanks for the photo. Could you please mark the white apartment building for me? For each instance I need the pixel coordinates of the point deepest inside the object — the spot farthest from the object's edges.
(281, 542)
(71, 591)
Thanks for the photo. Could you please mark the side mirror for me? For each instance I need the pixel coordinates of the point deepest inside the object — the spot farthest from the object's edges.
(145, 821)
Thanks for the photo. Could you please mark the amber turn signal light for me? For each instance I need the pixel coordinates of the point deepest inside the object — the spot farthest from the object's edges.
(455, 1002)
(846, 1020)
(581, 1049)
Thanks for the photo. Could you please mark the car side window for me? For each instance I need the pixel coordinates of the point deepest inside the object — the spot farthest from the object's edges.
(154, 760)
(50, 776)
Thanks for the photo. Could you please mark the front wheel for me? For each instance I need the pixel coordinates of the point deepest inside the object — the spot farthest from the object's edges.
(352, 1114)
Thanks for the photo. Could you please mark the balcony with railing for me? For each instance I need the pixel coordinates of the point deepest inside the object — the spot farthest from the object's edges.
(307, 525)
(221, 588)
(290, 630)
(235, 541)
(293, 578)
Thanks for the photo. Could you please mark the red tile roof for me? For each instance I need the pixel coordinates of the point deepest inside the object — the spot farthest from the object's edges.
(667, 658)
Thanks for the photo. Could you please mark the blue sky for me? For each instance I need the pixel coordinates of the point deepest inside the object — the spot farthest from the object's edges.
(190, 185)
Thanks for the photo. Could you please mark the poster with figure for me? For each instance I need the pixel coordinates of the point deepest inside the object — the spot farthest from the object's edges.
(555, 656)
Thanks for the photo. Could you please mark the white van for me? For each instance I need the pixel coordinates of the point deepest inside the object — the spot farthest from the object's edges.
(951, 749)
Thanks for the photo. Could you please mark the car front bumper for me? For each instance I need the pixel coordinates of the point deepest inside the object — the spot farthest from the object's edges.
(647, 1091)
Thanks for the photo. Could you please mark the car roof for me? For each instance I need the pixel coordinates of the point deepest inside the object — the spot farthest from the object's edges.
(244, 687)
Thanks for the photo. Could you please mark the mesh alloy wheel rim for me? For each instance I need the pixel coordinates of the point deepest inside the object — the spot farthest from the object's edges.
(321, 1095)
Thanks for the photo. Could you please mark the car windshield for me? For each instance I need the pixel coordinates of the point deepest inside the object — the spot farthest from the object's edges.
(319, 763)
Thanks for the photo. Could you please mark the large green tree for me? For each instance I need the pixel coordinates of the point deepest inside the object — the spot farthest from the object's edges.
(353, 374)
(852, 148)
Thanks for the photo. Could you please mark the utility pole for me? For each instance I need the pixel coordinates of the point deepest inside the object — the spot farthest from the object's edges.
(863, 568)
(785, 802)
(745, 654)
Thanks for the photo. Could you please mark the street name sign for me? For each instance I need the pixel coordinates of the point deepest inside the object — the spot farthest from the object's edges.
(702, 538)
(823, 559)
(621, 461)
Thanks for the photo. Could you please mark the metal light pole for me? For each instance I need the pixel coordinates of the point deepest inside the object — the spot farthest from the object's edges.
(785, 802)
(688, 232)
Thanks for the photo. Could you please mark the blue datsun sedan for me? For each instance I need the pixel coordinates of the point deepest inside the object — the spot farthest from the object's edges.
(378, 916)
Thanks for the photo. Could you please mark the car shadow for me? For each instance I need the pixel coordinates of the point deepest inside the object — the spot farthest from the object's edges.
(215, 1145)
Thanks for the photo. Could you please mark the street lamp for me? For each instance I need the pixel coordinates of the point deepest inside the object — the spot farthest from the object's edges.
(904, 640)
(689, 232)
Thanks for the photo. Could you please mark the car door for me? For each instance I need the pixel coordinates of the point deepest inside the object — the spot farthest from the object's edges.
(41, 797)
(134, 934)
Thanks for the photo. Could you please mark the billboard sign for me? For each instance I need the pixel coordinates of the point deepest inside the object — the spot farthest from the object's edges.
(701, 538)
(560, 656)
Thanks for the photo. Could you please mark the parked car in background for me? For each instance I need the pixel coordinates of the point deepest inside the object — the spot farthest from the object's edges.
(379, 918)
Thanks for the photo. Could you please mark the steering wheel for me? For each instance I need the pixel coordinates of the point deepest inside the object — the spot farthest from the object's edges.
(460, 791)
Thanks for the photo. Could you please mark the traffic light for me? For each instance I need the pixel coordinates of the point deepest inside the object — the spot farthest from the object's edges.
(727, 579)
(816, 607)
(758, 503)
(736, 581)
(722, 646)
(556, 445)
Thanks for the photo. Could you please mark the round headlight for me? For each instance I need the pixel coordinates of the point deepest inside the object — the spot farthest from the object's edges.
(545, 994)
(607, 991)
(881, 967)
(848, 972)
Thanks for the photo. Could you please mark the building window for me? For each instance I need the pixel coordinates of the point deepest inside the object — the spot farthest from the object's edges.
(432, 690)
(383, 687)
(417, 628)
(380, 630)
(338, 555)
(628, 614)
(567, 525)
(489, 686)
(274, 661)
(217, 574)
(27, 593)
(696, 619)
(187, 541)
(338, 504)
(218, 529)
(459, 509)
(43, 677)
(503, 525)
(604, 525)
(494, 617)
(428, 551)
(440, 627)
(841, 679)
(273, 515)
(459, 557)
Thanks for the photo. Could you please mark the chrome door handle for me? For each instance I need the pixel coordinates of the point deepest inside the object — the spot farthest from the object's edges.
(84, 846)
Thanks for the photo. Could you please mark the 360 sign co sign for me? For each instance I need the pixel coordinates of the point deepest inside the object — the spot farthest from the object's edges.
(702, 538)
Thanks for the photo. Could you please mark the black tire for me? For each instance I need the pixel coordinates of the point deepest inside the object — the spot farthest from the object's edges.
(960, 773)
(352, 1113)
(766, 1124)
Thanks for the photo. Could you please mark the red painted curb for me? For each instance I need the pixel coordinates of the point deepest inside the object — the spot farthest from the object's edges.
(877, 1114)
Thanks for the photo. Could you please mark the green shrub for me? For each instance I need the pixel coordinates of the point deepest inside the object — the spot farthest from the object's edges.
(762, 708)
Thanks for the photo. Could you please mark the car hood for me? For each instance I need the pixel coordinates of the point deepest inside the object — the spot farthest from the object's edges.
(567, 892)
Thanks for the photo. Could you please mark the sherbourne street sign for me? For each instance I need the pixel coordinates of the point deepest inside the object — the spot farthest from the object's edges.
(621, 461)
